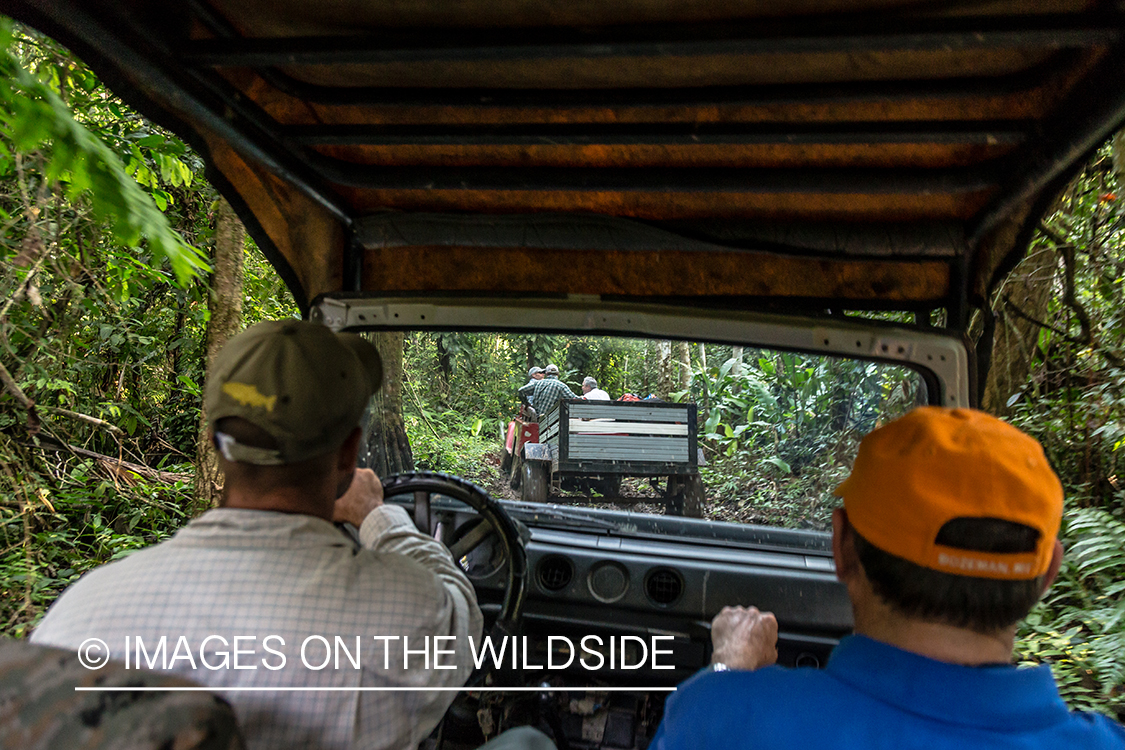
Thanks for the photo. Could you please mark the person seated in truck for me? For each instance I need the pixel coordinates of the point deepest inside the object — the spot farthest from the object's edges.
(534, 375)
(946, 539)
(591, 392)
(283, 403)
(549, 391)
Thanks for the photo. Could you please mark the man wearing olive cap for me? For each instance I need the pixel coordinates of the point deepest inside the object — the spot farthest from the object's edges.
(261, 588)
(946, 539)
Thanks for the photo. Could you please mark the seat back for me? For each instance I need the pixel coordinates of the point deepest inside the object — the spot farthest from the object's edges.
(41, 710)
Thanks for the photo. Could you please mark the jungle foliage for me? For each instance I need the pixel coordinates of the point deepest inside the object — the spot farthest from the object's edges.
(777, 429)
(1073, 401)
(103, 310)
(101, 325)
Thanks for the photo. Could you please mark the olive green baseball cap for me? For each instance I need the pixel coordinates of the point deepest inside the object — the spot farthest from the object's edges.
(301, 383)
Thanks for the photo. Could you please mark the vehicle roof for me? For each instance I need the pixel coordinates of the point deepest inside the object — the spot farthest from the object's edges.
(777, 154)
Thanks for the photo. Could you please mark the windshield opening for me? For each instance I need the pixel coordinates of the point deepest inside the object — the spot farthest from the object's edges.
(724, 433)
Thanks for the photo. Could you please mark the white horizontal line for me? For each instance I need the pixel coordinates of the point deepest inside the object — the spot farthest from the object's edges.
(581, 426)
(153, 689)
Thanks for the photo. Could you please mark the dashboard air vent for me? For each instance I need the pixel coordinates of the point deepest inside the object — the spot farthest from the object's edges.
(554, 573)
(664, 586)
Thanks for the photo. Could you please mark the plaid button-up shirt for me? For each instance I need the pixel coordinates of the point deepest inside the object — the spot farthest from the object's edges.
(548, 392)
(526, 392)
(259, 573)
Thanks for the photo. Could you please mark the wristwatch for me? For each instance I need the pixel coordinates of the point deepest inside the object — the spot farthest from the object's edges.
(717, 666)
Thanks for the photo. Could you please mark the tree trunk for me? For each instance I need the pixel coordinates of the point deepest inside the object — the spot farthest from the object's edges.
(736, 368)
(684, 352)
(386, 449)
(445, 365)
(224, 302)
(736, 355)
(1026, 294)
(665, 369)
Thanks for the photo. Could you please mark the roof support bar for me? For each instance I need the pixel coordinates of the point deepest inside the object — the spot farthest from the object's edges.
(729, 180)
(763, 95)
(406, 47)
(957, 133)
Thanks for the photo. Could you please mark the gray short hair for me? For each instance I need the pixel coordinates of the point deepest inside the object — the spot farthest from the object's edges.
(589, 382)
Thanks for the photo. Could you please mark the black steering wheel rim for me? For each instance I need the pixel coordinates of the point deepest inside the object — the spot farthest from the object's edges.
(434, 482)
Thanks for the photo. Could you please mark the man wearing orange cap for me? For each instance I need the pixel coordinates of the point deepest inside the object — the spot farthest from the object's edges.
(946, 539)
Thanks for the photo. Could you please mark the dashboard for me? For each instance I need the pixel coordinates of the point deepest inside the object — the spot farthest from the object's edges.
(619, 605)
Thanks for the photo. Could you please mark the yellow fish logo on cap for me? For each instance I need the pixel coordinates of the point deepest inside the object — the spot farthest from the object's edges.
(249, 395)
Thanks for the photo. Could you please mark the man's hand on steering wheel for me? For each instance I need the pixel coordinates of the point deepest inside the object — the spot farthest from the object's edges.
(364, 495)
(367, 491)
(421, 486)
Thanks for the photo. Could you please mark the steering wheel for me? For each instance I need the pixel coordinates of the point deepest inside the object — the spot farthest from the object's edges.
(423, 485)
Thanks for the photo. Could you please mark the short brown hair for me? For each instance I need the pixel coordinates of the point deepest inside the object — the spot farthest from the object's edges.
(983, 605)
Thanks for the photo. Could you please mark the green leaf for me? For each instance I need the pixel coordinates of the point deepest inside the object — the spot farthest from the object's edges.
(30, 124)
(36, 117)
(152, 140)
(779, 464)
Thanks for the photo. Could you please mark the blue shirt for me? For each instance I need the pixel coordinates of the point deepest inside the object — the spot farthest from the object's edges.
(874, 696)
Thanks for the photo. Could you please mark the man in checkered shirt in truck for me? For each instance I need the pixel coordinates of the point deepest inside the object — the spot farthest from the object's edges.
(549, 391)
(283, 403)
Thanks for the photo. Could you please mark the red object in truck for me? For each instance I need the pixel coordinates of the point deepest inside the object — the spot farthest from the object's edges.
(520, 432)
(529, 433)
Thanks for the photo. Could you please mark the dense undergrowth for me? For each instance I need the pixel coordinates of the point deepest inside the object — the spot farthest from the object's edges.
(1079, 627)
(74, 517)
(102, 324)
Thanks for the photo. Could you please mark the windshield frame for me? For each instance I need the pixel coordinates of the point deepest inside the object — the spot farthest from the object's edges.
(941, 358)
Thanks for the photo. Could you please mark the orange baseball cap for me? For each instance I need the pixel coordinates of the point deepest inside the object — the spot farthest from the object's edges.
(934, 465)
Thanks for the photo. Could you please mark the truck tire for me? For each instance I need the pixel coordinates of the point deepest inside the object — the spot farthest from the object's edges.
(693, 496)
(674, 496)
(684, 496)
(536, 482)
(516, 475)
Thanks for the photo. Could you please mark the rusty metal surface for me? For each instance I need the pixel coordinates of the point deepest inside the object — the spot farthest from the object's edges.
(1029, 103)
(718, 155)
(889, 115)
(305, 237)
(640, 274)
(661, 205)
